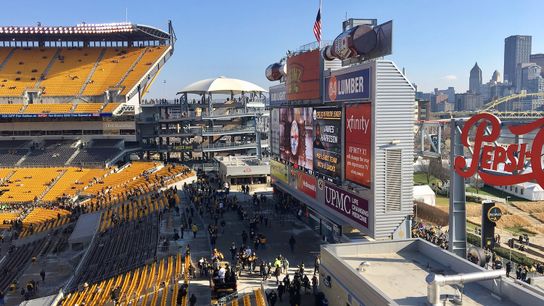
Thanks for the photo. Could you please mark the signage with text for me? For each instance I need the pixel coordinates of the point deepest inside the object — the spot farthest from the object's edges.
(498, 165)
(307, 184)
(348, 86)
(358, 150)
(278, 95)
(346, 203)
(327, 141)
(303, 76)
(279, 171)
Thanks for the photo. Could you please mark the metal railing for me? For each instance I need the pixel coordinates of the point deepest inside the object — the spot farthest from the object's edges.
(241, 145)
(222, 130)
(230, 112)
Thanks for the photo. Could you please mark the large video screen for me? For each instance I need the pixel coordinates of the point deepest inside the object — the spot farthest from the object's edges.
(296, 136)
(327, 141)
(275, 131)
(358, 151)
(303, 76)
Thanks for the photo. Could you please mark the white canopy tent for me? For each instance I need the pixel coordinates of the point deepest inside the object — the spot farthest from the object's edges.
(425, 194)
(221, 85)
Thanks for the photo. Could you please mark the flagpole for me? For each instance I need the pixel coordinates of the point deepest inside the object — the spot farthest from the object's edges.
(321, 13)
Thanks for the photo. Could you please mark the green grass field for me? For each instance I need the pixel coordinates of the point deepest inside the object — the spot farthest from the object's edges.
(420, 178)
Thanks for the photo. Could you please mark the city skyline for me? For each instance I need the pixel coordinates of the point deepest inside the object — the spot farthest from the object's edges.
(241, 38)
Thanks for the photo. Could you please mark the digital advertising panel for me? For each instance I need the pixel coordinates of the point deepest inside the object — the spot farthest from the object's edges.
(303, 76)
(278, 95)
(346, 203)
(348, 86)
(279, 171)
(296, 136)
(358, 144)
(327, 141)
(275, 131)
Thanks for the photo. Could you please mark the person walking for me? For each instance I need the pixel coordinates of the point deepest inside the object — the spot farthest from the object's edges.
(233, 251)
(194, 228)
(281, 291)
(273, 298)
(42, 274)
(244, 237)
(192, 300)
(508, 268)
(292, 242)
(317, 262)
(182, 229)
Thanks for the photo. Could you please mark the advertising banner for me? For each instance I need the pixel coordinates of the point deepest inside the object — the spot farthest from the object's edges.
(348, 86)
(275, 131)
(512, 159)
(278, 171)
(303, 76)
(66, 115)
(327, 141)
(307, 184)
(346, 203)
(358, 150)
(278, 95)
(296, 136)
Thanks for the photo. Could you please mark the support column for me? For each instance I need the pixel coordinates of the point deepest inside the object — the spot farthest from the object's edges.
(458, 213)
(257, 139)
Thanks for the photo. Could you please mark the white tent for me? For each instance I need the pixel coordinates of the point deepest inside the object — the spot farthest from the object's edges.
(424, 194)
(221, 85)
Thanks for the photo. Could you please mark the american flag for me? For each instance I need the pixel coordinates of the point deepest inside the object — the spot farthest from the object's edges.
(317, 26)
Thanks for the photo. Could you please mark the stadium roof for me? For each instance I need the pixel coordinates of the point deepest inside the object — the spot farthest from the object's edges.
(123, 31)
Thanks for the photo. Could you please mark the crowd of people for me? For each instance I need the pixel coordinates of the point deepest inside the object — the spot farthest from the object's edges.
(212, 199)
(431, 233)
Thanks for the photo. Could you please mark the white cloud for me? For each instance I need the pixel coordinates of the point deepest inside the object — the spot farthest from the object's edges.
(449, 77)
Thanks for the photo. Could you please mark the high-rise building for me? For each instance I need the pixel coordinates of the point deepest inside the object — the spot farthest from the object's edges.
(475, 80)
(517, 50)
(468, 102)
(539, 60)
(530, 72)
(496, 78)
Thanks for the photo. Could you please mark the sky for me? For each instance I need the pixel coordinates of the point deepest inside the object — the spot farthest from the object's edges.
(436, 41)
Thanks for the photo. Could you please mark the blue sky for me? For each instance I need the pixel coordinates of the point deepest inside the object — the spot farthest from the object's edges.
(437, 41)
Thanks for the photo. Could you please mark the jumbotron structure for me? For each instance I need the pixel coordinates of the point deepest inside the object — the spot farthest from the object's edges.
(79, 84)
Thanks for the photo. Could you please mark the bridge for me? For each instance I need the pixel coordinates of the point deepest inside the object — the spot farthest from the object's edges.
(492, 106)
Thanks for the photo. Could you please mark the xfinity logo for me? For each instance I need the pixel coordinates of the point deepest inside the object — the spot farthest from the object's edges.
(358, 124)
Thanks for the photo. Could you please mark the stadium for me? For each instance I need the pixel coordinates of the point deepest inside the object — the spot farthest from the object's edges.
(110, 196)
(73, 205)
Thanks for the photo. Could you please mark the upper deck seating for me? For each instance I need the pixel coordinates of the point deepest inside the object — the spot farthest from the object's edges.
(70, 71)
(24, 69)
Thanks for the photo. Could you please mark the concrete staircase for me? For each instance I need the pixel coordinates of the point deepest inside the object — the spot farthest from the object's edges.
(7, 58)
(91, 73)
(46, 71)
(51, 185)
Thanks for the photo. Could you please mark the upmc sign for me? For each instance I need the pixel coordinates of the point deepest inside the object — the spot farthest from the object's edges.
(488, 157)
(348, 86)
(346, 203)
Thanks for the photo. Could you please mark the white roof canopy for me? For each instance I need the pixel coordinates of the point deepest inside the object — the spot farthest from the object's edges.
(221, 85)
